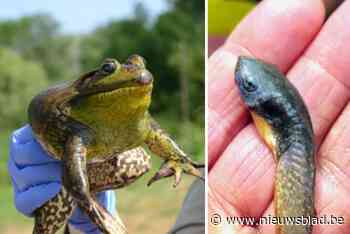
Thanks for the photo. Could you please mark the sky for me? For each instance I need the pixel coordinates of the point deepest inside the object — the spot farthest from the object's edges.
(79, 16)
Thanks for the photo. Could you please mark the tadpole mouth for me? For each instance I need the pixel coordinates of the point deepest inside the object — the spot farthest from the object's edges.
(244, 67)
(238, 69)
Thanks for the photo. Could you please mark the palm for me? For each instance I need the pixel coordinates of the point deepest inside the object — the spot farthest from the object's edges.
(315, 57)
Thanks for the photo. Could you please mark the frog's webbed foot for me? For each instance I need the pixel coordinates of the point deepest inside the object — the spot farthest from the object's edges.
(177, 168)
(102, 218)
(54, 214)
(176, 161)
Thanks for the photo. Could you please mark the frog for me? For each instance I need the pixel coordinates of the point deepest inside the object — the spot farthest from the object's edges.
(98, 126)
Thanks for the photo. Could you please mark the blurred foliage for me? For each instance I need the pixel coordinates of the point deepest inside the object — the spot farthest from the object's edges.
(37, 38)
(20, 80)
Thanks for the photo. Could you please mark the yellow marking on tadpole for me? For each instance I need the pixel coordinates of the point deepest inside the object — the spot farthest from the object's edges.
(266, 132)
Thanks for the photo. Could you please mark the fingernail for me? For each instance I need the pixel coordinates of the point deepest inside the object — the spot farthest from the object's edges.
(22, 135)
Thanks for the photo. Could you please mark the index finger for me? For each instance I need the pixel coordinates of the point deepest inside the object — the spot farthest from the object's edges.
(275, 31)
(26, 151)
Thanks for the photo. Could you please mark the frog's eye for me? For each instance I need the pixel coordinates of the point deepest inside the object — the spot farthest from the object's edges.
(249, 86)
(108, 68)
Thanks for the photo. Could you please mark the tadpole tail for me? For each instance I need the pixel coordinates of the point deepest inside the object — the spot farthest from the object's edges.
(294, 191)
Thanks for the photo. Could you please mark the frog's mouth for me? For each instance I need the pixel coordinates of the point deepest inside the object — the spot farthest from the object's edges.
(145, 79)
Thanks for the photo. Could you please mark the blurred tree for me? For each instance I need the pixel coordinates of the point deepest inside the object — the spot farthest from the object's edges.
(20, 81)
(181, 35)
(141, 13)
(117, 39)
(35, 29)
(195, 8)
(38, 38)
(180, 60)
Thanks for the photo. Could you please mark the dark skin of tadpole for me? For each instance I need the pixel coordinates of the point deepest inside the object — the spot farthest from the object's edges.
(284, 123)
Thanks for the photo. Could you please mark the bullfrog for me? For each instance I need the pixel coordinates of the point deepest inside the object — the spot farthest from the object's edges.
(97, 126)
(283, 121)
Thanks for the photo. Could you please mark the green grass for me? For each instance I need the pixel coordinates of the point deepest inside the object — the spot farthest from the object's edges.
(143, 209)
(4, 142)
(10, 220)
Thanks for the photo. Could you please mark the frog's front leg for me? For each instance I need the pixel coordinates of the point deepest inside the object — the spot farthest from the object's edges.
(75, 180)
(176, 161)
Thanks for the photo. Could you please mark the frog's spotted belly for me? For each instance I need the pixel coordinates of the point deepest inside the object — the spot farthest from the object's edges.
(116, 172)
(119, 170)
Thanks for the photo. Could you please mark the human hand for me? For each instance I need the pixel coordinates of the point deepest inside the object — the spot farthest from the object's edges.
(315, 56)
(36, 178)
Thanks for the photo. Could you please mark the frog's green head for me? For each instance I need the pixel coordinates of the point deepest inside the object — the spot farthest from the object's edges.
(115, 90)
(115, 77)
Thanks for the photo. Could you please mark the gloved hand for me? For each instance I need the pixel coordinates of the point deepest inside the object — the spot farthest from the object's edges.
(36, 178)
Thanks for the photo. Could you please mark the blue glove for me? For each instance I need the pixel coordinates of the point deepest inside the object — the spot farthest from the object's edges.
(36, 178)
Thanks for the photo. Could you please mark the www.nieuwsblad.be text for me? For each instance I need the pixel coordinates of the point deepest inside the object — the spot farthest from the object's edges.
(217, 219)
